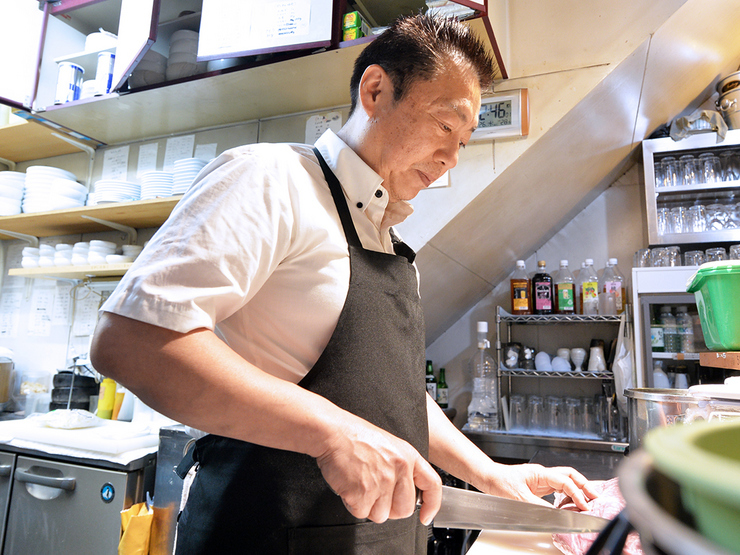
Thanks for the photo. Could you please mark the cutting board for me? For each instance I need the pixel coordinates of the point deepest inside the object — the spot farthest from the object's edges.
(112, 437)
(501, 542)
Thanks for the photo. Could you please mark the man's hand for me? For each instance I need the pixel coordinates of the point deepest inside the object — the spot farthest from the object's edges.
(529, 482)
(377, 474)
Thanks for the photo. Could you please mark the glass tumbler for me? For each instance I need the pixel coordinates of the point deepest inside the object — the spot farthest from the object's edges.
(659, 257)
(659, 172)
(716, 254)
(734, 252)
(689, 170)
(674, 256)
(696, 219)
(641, 259)
(517, 413)
(730, 163)
(670, 171)
(590, 425)
(676, 220)
(710, 170)
(693, 258)
(553, 414)
(663, 215)
(535, 412)
(573, 418)
(716, 217)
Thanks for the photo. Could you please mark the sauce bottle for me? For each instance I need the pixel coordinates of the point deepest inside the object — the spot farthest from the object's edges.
(521, 298)
(542, 290)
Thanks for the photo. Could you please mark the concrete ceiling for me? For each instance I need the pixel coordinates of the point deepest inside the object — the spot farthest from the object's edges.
(601, 78)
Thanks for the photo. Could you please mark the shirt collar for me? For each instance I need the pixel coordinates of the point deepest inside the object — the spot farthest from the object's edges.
(360, 182)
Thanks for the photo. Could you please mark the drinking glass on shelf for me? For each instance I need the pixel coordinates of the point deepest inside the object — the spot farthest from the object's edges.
(642, 259)
(663, 221)
(710, 170)
(716, 217)
(553, 413)
(659, 257)
(573, 418)
(715, 254)
(517, 413)
(693, 258)
(696, 219)
(676, 220)
(674, 256)
(659, 172)
(688, 169)
(730, 163)
(590, 426)
(733, 216)
(734, 252)
(670, 171)
(535, 412)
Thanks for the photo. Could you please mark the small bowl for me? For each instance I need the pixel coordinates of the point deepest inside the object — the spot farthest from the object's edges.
(118, 259)
(79, 260)
(101, 243)
(29, 262)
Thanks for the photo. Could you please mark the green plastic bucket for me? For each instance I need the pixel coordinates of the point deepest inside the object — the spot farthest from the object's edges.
(704, 459)
(716, 288)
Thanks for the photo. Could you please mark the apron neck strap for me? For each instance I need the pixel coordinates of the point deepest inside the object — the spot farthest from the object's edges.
(337, 194)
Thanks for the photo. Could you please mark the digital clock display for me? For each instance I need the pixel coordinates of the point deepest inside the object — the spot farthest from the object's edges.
(495, 114)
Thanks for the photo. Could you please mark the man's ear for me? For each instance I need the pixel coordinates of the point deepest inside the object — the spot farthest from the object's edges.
(375, 89)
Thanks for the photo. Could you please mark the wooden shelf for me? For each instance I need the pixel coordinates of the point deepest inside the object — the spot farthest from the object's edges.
(72, 272)
(727, 360)
(138, 214)
(30, 140)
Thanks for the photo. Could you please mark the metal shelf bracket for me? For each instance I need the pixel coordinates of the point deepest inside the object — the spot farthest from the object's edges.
(90, 151)
(129, 231)
(31, 239)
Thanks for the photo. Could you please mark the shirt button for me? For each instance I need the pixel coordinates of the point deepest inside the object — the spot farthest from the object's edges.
(359, 205)
(378, 193)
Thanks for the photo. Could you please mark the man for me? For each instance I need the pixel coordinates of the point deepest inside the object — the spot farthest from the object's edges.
(313, 390)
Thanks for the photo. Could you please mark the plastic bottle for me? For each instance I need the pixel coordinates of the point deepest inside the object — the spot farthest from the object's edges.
(685, 324)
(607, 297)
(657, 336)
(564, 290)
(670, 330)
(577, 285)
(612, 287)
(589, 289)
(483, 409)
(521, 297)
(542, 290)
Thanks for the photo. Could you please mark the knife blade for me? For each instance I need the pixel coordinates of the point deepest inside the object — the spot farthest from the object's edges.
(472, 510)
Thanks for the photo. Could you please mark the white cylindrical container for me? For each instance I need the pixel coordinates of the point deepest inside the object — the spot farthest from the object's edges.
(104, 72)
(69, 82)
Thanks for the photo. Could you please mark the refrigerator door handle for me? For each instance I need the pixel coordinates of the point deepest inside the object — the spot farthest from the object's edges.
(5, 470)
(49, 481)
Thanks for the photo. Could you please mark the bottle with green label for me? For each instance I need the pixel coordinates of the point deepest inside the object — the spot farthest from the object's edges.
(564, 290)
(431, 380)
(443, 392)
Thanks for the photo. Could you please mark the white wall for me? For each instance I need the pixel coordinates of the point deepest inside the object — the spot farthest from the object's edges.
(611, 226)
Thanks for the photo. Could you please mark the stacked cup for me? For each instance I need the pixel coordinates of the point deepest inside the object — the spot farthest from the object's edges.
(183, 55)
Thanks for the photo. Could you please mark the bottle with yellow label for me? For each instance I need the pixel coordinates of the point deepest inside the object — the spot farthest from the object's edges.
(106, 399)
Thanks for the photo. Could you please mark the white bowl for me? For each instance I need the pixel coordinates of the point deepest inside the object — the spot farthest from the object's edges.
(183, 45)
(79, 260)
(131, 250)
(94, 259)
(101, 243)
(178, 71)
(9, 207)
(7, 191)
(63, 247)
(183, 34)
(182, 58)
(46, 261)
(28, 262)
(30, 251)
(69, 184)
(146, 77)
(62, 261)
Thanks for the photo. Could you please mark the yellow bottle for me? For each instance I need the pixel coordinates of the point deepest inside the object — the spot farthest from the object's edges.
(106, 399)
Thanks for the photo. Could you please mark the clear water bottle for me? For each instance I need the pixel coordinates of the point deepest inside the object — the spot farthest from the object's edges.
(671, 338)
(483, 414)
(685, 325)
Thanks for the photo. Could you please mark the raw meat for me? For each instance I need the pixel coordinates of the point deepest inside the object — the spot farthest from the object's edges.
(608, 504)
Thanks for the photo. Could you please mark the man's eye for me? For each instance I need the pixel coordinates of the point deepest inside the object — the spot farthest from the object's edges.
(445, 128)
(462, 144)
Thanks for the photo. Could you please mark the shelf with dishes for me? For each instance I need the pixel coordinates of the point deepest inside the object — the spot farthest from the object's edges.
(72, 272)
(137, 214)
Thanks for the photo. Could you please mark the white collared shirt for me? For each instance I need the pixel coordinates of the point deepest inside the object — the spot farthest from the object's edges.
(256, 250)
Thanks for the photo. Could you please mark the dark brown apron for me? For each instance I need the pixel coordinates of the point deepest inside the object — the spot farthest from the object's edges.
(250, 499)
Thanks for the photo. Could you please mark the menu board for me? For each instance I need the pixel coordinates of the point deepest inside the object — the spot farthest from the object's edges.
(244, 27)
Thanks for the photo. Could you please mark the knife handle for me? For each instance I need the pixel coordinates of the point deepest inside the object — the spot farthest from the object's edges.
(419, 501)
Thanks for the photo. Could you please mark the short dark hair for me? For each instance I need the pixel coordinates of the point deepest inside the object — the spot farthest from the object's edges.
(417, 47)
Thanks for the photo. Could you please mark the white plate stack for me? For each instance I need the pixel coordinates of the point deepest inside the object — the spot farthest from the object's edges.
(113, 190)
(156, 184)
(11, 192)
(185, 172)
(183, 55)
(40, 194)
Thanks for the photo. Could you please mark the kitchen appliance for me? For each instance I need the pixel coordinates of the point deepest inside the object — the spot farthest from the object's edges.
(650, 408)
(729, 95)
(472, 510)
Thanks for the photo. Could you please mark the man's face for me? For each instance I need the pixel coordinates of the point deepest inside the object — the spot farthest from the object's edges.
(419, 137)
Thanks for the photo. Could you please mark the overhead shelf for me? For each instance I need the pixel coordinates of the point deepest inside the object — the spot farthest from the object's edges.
(307, 83)
(30, 141)
(138, 214)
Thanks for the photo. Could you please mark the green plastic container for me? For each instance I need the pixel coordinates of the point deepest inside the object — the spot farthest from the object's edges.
(716, 287)
(704, 459)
